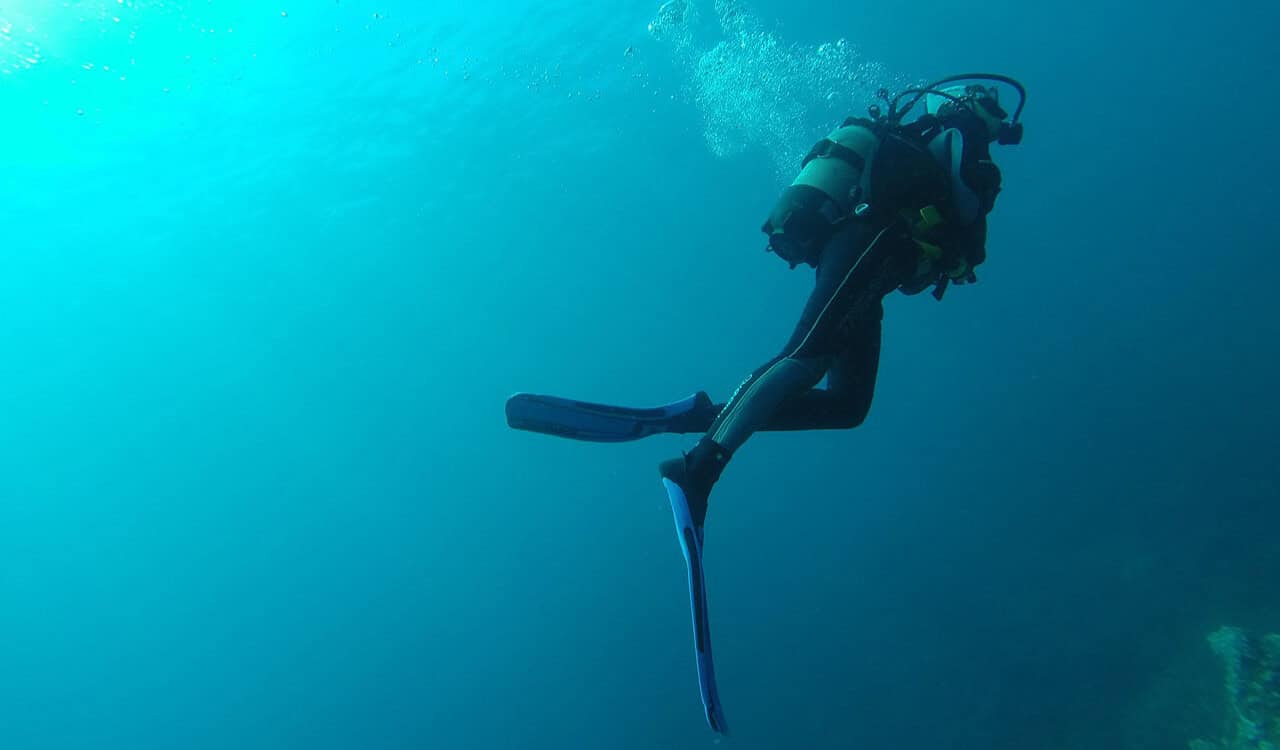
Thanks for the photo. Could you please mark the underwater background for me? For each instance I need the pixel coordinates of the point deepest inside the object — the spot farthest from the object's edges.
(269, 270)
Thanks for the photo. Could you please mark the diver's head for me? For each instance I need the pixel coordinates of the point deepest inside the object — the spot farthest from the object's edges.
(980, 102)
(979, 105)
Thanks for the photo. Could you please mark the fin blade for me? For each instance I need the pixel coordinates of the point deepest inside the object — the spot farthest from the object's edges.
(602, 423)
(691, 546)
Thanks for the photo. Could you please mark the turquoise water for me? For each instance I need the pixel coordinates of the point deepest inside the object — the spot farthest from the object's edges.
(269, 271)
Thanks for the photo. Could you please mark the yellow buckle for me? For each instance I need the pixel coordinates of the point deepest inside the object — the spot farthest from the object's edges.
(930, 217)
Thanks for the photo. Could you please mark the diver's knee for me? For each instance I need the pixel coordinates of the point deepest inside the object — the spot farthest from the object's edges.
(805, 372)
(851, 414)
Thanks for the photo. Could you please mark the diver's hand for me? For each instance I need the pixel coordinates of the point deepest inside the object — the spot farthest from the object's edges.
(962, 273)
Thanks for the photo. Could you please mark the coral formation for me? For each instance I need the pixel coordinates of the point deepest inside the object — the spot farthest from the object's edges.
(1252, 683)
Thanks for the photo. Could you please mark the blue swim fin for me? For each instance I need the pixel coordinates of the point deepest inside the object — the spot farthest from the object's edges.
(690, 537)
(602, 423)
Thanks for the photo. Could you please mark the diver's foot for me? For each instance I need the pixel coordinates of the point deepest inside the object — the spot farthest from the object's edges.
(675, 472)
(695, 474)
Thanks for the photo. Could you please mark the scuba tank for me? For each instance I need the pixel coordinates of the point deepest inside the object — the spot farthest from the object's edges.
(838, 165)
(833, 184)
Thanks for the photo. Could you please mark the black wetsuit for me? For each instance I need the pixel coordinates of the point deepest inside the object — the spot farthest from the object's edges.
(838, 334)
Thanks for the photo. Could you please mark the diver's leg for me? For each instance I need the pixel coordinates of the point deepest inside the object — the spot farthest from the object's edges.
(851, 383)
(840, 330)
(859, 266)
(842, 405)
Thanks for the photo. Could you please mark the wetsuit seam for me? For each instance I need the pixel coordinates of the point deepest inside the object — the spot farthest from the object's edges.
(870, 246)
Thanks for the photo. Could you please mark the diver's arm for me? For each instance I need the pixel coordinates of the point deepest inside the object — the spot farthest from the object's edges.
(968, 248)
(964, 250)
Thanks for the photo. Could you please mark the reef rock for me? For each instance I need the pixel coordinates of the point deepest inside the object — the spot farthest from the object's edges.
(1252, 683)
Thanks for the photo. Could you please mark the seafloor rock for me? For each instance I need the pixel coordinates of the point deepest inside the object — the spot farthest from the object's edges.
(1253, 690)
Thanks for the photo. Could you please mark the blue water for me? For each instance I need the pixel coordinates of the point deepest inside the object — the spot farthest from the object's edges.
(269, 271)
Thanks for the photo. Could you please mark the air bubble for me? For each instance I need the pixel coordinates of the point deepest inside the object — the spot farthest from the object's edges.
(756, 90)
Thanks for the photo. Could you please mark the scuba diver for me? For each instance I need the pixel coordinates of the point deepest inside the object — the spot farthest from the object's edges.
(879, 205)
